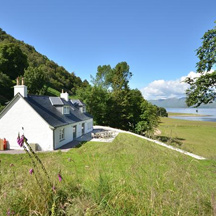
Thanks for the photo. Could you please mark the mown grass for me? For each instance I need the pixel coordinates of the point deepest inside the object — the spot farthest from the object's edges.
(193, 136)
(129, 176)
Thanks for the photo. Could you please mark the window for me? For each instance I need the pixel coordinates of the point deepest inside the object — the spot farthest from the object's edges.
(61, 134)
(66, 110)
(83, 128)
(81, 109)
(89, 125)
(74, 132)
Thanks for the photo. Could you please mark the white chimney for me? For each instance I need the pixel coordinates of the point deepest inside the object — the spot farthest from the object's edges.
(64, 95)
(22, 89)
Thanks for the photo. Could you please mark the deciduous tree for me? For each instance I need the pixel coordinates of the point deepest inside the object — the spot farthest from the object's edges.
(36, 80)
(13, 61)
(148, 119)
(6, 90)
(113, 103)
(203, 88)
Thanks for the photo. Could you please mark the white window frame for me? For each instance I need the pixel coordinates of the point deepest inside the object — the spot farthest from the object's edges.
(81, 109)
(66, 110)
(61, 134)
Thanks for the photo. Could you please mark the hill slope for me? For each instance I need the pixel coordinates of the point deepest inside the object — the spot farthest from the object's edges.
(129, 176)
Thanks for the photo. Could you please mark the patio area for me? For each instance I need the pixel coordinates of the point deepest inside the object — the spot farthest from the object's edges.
(97, 135)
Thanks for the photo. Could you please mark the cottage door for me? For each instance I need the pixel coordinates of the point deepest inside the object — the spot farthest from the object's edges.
(83, 128)
(74, 132)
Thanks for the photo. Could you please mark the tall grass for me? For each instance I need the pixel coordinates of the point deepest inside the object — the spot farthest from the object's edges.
(129, 176)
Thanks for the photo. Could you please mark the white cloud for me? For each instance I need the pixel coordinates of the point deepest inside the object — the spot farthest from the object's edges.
(161, 89)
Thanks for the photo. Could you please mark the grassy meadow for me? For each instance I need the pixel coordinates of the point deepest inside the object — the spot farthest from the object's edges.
(129, 176)
(198, 137)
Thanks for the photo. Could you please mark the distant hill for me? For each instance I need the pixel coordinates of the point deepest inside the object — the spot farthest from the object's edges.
(177, 103)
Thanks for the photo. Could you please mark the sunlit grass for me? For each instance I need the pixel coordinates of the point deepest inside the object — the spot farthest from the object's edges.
(130, 176)
(194, 136)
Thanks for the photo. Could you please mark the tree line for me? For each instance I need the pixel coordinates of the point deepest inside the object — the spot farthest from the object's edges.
(113, 103)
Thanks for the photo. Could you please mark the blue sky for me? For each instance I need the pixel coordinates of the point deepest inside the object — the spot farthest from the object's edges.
(156, 38)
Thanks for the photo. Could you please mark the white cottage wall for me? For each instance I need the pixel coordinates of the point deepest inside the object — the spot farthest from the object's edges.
(68, 132)
(88, 126)
(68, 136)
(21, 115)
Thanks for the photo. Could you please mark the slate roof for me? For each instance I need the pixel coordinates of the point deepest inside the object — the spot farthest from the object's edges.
(77, 102)
(43, 106)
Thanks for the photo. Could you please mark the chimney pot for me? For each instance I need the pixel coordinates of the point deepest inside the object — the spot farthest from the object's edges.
(22, 81)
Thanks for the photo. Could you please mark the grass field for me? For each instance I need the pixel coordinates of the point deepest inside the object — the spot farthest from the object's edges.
(198, 137)
(129, 176)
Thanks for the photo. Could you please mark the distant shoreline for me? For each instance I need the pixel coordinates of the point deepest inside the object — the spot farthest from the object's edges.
(186, 114)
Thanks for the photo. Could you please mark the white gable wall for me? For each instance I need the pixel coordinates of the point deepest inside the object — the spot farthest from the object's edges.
(21, 115)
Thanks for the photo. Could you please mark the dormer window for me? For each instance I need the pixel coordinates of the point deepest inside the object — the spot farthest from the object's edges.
(84, 109)
(65, 110)
(81, 109)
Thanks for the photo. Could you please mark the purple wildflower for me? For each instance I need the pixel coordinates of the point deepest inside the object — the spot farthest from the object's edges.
(20, 140)
(31, 171)
(59, 177)
(10, 212)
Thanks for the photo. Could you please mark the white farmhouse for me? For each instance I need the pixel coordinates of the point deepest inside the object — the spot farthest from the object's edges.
(51, 122)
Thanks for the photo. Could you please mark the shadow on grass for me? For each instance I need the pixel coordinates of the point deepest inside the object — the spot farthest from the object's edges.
(169, 140)
(80, 144)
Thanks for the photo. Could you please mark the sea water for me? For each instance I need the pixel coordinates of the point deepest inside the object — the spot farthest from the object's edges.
(209, 113)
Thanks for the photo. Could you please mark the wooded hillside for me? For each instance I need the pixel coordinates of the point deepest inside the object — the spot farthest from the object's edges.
(38, 66)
